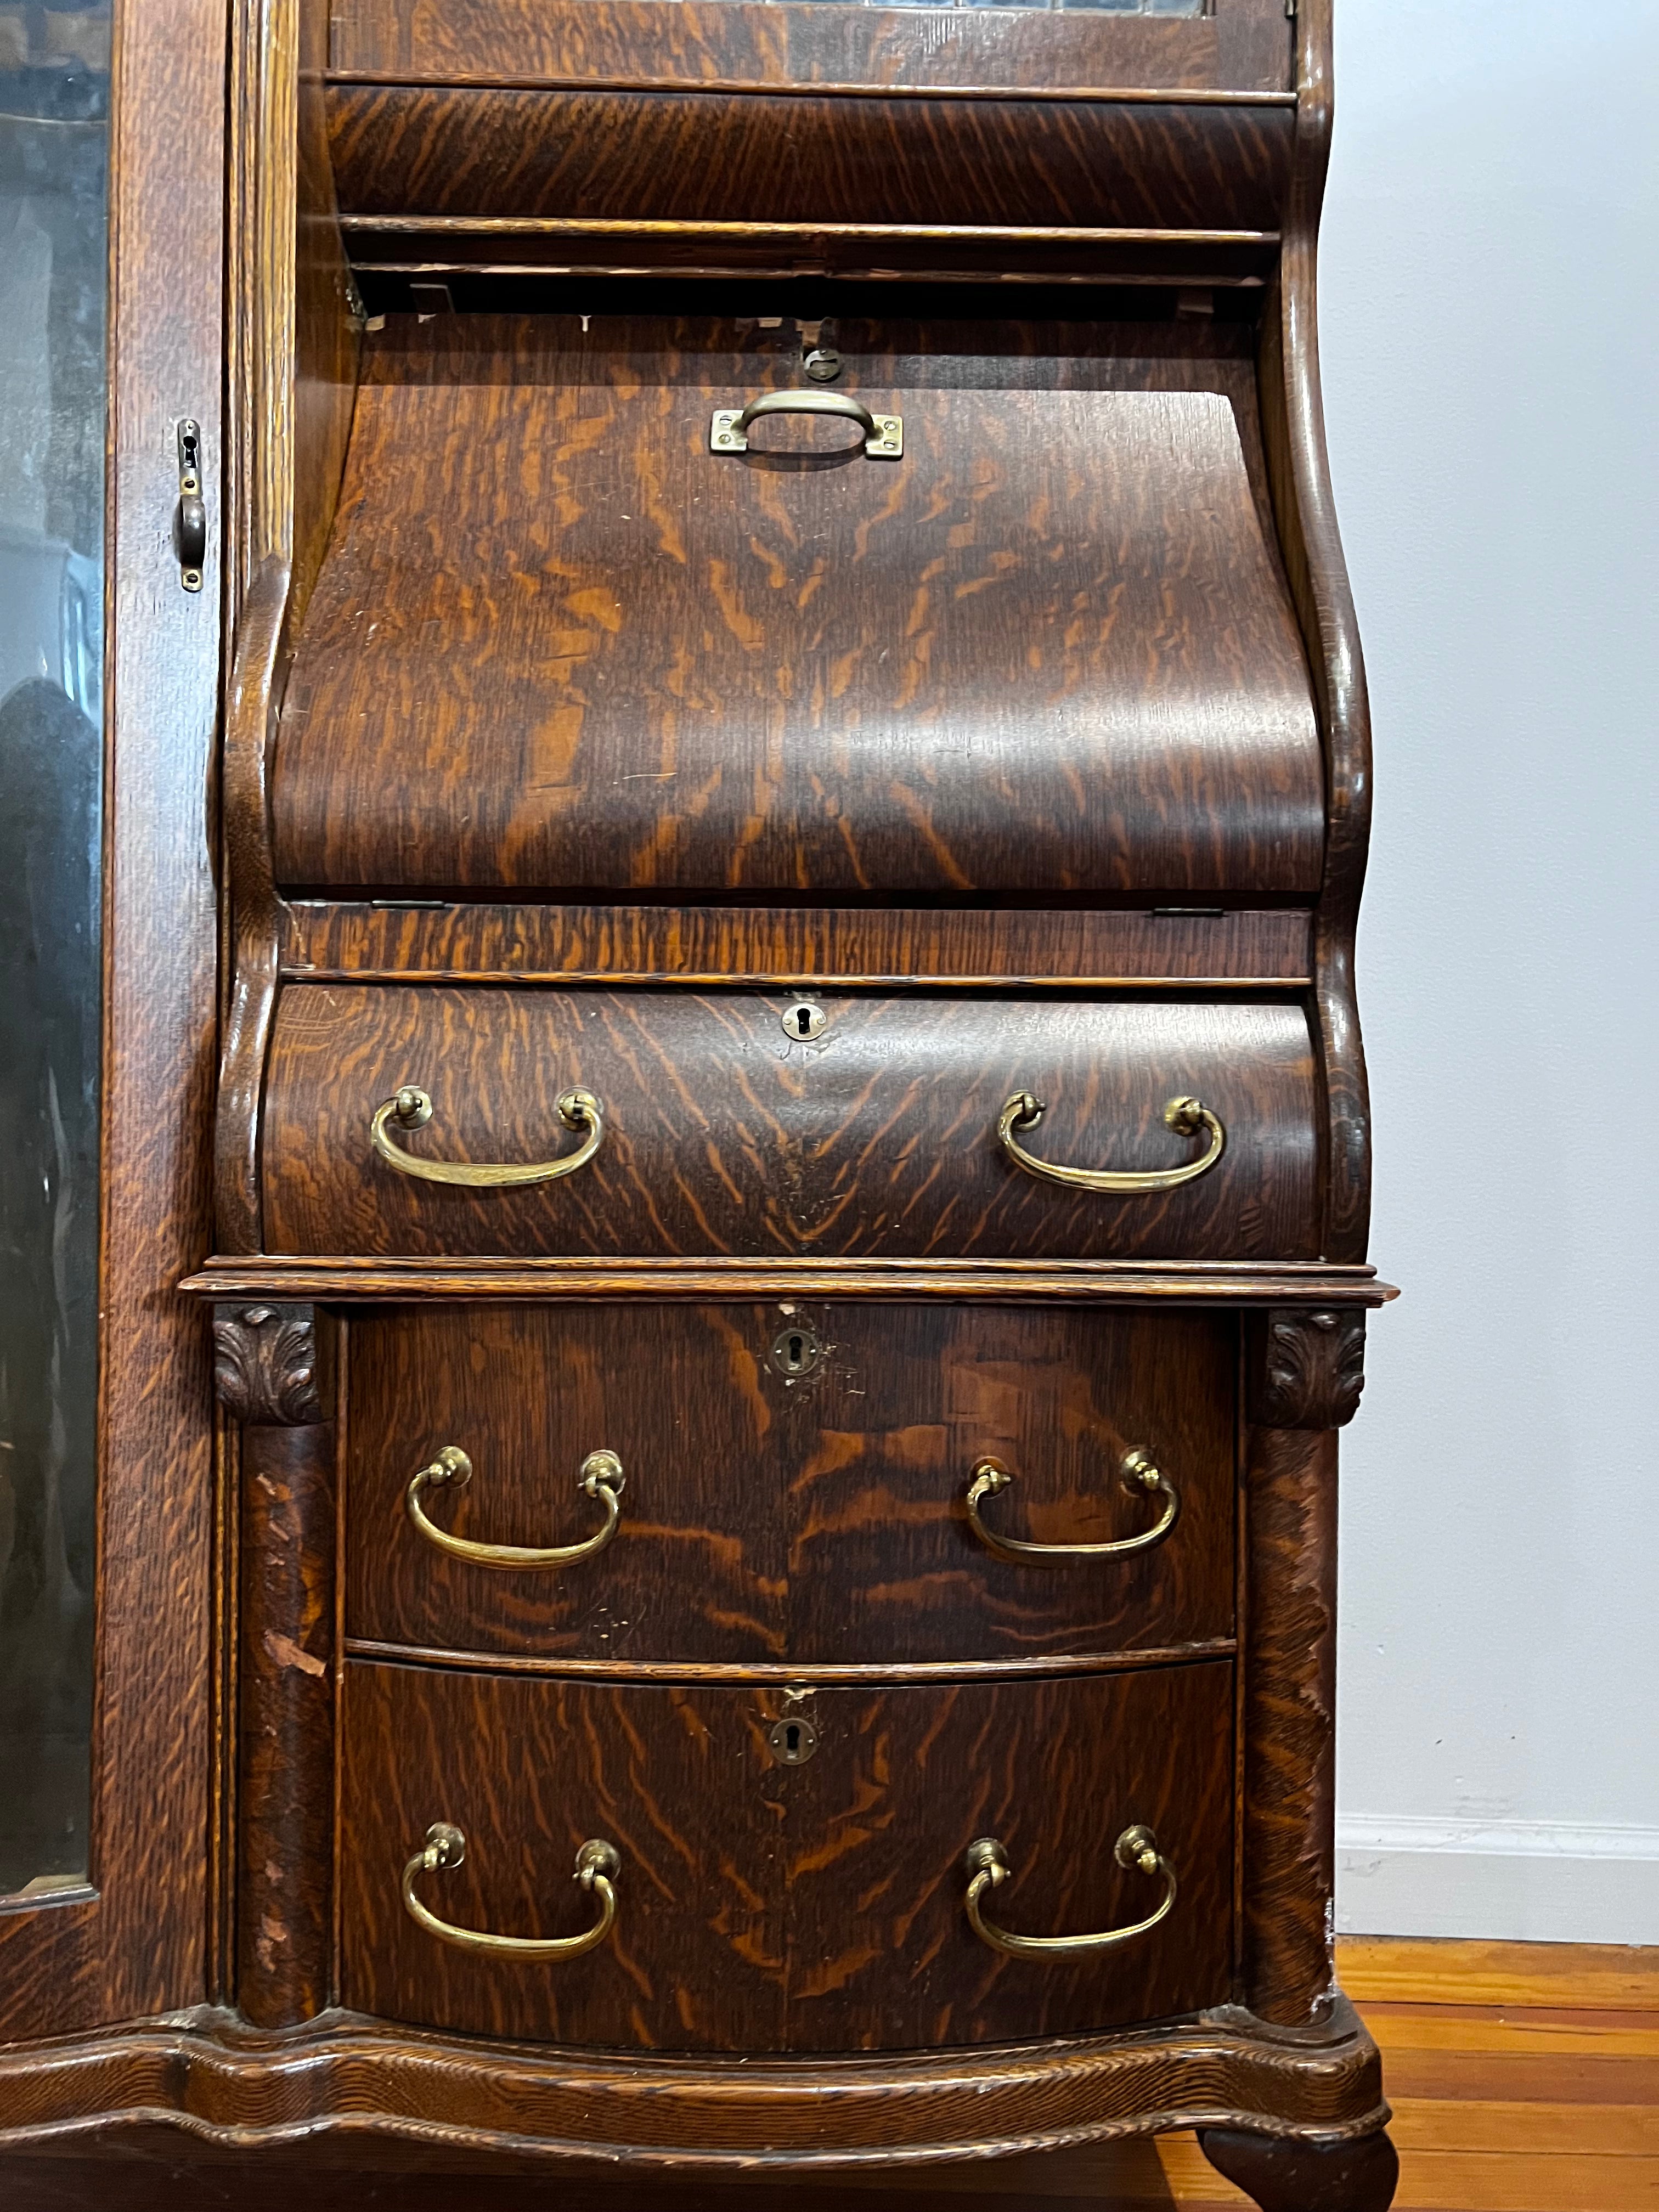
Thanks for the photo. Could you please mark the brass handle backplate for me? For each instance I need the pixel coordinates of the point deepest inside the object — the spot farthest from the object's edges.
(1187, 1117)
(411, 1109)
(1141, 1479)
(598, 1867)
(987, 1866)
(600, 1476)
(884, 434)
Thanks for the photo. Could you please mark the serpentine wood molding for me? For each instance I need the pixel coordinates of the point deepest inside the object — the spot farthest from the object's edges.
(214, 2078)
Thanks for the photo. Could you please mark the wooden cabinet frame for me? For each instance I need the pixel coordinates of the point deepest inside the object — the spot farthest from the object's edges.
(163, 1987)
(136, 1939)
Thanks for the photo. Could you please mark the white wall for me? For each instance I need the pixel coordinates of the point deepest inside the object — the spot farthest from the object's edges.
(1489, 278)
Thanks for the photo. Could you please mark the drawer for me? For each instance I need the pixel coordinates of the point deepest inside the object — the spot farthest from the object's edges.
(726, 1133)
(761, 1906)
(795, 1482)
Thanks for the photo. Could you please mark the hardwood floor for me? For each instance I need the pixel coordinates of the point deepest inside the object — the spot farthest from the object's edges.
(1524, 2078)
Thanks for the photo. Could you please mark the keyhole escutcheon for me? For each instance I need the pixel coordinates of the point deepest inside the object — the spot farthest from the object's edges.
(793, 1741)
(796, 1350)
(804, 1021)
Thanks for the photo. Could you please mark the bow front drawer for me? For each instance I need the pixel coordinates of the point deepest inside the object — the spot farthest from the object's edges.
(442, 1122)
(665, 1867)
(789, 1484)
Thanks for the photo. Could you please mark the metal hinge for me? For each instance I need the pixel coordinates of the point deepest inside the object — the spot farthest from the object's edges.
(189, 517)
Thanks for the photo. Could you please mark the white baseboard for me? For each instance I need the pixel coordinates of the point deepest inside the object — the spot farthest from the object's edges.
(1509, 1880)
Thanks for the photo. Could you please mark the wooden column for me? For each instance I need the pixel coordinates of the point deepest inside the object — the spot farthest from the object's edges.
(272, 1368)
(1305, 1372)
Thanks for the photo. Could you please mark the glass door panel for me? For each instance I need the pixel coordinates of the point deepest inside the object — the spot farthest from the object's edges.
(54, 230)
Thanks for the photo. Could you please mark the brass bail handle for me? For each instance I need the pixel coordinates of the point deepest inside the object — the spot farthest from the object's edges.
(600, 1476)
(1141, 1478)
(411, 1108)
(598, 1864)
(884, 434)
(1187, 1117)
(986, 1865)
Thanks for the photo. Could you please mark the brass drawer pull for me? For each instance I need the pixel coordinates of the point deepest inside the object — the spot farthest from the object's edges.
(600, 1476)
(884, 434)
(1141, 1479)
(987, 1866)
(598, 1867)
(1186, 1116)
(411, 1109)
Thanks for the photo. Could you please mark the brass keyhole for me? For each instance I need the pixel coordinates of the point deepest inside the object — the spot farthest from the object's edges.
(796, 1350)
(804, 1021)
(792, 1741)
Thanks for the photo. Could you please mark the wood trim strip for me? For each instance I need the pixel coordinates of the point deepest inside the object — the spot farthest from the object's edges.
(256, 908)
(560, 225)
(762, 1672)
(788, 271)
(1222, 1283)
(1293, 433)
(642, 979)
(705, 946)
(809, 88)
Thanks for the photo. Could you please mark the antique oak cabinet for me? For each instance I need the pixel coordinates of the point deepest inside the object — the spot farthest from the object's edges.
(734, 1137)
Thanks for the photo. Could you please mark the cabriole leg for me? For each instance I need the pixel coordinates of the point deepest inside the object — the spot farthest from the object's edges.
(1300, 2177)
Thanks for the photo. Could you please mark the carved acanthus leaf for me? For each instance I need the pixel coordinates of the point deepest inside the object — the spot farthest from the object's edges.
(267, 1365)
(1307, 1369)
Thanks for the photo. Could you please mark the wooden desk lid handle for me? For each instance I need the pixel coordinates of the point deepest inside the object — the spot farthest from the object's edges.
(598, 1866)
(600, 1476)
(987, 1866)
(1141, 1479)
(1186, 1116)
(411, 1109)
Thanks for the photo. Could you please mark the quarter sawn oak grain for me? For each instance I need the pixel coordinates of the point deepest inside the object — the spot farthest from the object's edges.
(667, 738)
(1240, 48)
(764, 1907)
(723, 1135)
(1045, 650)
(809, 1520)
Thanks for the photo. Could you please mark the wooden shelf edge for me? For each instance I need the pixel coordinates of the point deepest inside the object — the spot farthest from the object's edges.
(813, 88)
(1239, 1283)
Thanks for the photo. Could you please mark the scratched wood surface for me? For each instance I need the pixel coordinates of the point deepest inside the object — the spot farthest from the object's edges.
(1524, 2078)
(487, 943)
(770, 1907)
(1239, 44)
(285, 1732)
(723, 1134)
(1290, 1721)
(775, 1518)
(903, 1780)
(558, 642)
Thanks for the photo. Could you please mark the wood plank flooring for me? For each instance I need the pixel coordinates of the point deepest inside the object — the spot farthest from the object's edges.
(1524, 2078)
